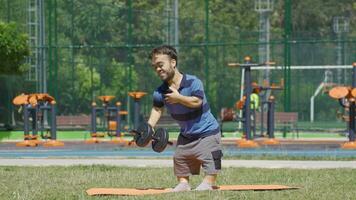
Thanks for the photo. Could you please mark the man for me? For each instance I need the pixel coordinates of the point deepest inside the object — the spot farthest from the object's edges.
(255, 98)
(198, 143)
(255, 104)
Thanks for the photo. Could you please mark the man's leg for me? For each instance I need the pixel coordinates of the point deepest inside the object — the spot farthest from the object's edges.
(210, 179)
(208, 182)
(183, 165)
(183, 184)
(183, 179)
(210, 156)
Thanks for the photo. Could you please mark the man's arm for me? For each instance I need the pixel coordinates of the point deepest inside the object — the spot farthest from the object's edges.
(156, 113)
(191, 102)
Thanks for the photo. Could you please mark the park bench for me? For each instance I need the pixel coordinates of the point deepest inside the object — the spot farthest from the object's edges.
(283, 121)
(73, 122)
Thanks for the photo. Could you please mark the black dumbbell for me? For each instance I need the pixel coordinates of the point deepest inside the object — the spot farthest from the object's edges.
(145, 133)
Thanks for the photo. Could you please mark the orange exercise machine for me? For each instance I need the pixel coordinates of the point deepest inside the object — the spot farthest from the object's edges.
(346, 96)
(137, 96)
(112, 120)
(247, 142)
(34, 106)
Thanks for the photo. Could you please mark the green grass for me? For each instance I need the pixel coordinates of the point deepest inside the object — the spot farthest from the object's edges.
(283, 157)
(302, 125)
(16, 135)
(82, 135)
(71, 182)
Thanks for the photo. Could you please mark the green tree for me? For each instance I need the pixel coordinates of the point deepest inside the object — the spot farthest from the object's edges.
(77, 98)
(115, 72)
(13, 49)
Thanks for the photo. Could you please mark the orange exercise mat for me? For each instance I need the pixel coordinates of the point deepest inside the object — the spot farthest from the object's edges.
(145, 191)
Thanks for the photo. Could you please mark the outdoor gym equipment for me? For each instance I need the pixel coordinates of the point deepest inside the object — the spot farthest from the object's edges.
(144, 134)
(248, 142)
(346, 96)
(137, 96)
(35, 106)
(111, 119)
(270, 120)
(271, 100)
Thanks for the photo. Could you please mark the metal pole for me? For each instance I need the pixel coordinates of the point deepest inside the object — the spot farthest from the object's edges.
(254, 119)
(55, 54)
(176, 25)
(270, 118)
(128, 69)
(352, 115)
(93, 118)
(339, 59)
(106, 117)
(207, 85)
(268, 27)
(137, 113)
(101, 74)
(72, 51)
(242, 83)
(247, 85)
(118, 119)
(354, 75)
(42, 55)
(26, 117)
(49, 7)
(53, 121)
(91, 78)
(262, 117)
(34, 113)
(130, 43)
(344, 57)
(287, 53)
(41, 120)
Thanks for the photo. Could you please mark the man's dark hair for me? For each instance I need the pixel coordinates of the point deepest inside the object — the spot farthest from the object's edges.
(167, 50)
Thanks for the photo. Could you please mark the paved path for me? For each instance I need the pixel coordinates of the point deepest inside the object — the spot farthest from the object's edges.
(169, 163)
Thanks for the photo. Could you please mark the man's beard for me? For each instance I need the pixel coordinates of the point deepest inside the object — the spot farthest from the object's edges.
(169, 76)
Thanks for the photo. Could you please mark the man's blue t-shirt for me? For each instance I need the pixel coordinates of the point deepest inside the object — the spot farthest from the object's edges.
(194, 122)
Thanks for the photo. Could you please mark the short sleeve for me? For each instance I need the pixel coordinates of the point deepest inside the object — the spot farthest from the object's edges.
(197, 89)
(157, 99)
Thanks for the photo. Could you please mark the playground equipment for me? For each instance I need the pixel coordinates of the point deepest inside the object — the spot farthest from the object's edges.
(270, 114)
(346, 96)
(266, 90)
(270, 123)
(245, 103)
(34, 107)
(137, 96)
(111, 120)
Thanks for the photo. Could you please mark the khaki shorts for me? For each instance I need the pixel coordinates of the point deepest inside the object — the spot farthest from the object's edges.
(191, 155)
